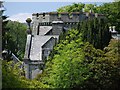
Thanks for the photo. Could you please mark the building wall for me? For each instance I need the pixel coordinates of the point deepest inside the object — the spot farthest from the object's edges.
(34, 70)
(57, 28)
(46, 19)
(65, 17)
(26, 69)
(49, 17)
(47, 48)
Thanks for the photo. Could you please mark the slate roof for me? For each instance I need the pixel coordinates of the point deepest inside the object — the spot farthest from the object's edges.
(44, 29)
(40, 40)
(37, 43)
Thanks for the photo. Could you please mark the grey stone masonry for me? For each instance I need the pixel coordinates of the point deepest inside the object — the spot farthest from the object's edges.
(57, 27)
(46, 29)
(65, 16)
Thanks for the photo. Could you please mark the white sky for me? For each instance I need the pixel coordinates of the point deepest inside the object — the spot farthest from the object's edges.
(21, 17)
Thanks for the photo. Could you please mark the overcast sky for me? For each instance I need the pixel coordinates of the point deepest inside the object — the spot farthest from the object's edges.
(19, 11)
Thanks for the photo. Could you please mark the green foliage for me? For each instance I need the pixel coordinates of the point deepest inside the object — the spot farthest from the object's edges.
(90, 7)
(12, 77)
(60, 70)
(96, 32)
(77, 64)
(77, 61)
(14, 38)
(105, 68)
(110, 10)
(75, 7)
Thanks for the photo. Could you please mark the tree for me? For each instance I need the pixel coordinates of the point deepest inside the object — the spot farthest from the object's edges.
(96, 32)
(89, 7)
(112, 12)
(116, 0)
(17, 38)
(75, 7)
(77, 64)
(12, 77)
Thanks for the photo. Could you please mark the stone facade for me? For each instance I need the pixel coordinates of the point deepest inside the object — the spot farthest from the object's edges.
(65, 17)
(48, 47)
(46, 29)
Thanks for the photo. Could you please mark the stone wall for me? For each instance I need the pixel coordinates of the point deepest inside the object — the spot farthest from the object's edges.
(32, 68)
(54, 16)
(35, 69)
(65, 16)
(47, 48)
(57, 27)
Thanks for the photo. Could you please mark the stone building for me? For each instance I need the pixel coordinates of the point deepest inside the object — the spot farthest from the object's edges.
(46, 29)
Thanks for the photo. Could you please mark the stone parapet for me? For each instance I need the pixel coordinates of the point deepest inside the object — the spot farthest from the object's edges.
(64, 16)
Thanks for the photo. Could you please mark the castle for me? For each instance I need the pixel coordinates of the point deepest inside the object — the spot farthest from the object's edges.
(46, 29)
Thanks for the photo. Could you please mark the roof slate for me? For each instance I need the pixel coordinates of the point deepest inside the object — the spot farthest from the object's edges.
(44, 29)
(36, 47)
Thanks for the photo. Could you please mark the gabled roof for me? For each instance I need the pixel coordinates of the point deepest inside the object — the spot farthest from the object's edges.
(36, 47)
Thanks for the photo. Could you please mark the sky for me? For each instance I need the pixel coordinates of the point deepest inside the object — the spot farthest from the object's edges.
(20, 10)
